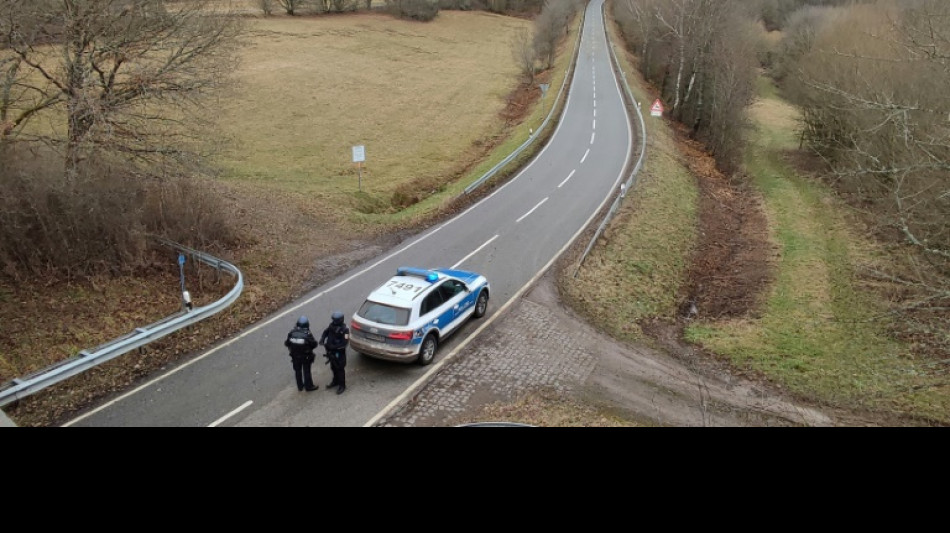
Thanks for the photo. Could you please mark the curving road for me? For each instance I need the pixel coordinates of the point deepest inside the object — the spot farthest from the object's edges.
(510, 236)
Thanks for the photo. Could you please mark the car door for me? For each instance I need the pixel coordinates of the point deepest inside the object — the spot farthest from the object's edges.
(455, 295)
(432, 311)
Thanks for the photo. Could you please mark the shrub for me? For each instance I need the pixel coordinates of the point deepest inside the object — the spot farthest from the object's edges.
(423, 10)
(100, 222)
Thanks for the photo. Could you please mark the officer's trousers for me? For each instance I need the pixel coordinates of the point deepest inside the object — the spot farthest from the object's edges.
(302, 371)
(337, 365)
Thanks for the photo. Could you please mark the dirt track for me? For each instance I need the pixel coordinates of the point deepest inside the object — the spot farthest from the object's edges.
(641, 385)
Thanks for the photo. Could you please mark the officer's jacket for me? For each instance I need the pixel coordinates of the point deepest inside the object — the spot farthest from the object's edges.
(335, 336)
(301, 342)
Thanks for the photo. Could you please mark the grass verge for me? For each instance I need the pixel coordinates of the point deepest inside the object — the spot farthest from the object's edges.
(638, 266)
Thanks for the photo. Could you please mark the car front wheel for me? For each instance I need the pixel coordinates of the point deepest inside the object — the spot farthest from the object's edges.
(427, 351)
(481, 305)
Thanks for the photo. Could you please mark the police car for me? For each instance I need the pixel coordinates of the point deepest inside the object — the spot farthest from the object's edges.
(407, 317)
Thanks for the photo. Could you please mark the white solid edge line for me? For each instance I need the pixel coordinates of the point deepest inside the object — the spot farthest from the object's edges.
(469, 256)
(244, 406)
(414, 388)
(532, 210)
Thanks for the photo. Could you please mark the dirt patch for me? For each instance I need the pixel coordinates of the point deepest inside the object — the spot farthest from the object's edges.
(732, 265)
(520, 101)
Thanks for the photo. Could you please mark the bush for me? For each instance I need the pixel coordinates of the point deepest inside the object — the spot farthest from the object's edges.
(462, 5)
(424, 10)
(100, 222)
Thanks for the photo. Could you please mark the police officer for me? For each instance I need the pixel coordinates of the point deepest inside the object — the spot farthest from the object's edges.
(301, 344)
(336, 338)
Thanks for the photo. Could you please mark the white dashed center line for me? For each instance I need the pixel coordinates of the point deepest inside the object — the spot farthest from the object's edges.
(532, 210)
(232, 413)
(567, 178)
(467, 257)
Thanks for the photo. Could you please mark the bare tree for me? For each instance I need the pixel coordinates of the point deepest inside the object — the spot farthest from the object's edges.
(873, 89)
(702, 55)
(879, 113)
(524, 54)
(122, 73)
(292, 6)
(639, 29)
(549, 27)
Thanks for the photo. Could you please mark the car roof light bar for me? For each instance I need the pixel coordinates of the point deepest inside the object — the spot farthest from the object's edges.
(428, 275)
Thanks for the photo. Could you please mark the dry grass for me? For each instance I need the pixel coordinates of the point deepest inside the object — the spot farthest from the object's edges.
(424, 100)
(293, 215)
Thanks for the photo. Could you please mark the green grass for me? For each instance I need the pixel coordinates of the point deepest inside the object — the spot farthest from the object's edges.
(637, 269)
(820, 333)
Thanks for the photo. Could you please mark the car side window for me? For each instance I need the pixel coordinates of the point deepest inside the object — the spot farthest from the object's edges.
(431, 302)
(450, 288)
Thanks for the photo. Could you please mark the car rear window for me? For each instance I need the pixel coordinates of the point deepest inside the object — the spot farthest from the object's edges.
(384, 314)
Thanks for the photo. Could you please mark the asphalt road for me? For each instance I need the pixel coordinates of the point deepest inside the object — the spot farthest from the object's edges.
(510, 236)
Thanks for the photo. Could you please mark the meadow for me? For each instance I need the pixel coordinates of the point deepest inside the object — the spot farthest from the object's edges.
(424, 100)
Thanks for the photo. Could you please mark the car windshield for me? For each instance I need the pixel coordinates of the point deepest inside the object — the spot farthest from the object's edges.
(384, 314)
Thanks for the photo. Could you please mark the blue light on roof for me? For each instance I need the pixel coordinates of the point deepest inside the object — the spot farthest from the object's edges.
(427, 275)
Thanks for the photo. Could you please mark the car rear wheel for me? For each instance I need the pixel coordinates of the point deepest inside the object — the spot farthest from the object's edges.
(481, 305)
(427, 351)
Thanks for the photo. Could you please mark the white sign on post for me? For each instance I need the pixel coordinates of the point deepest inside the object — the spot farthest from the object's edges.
(359, 154)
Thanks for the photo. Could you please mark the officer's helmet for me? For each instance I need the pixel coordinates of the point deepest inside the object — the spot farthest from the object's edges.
(337, 317)
(303, 322)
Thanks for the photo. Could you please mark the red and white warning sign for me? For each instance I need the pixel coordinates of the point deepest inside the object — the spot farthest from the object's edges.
(656, 109)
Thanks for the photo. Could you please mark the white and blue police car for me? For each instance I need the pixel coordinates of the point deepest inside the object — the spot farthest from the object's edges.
(407, 317)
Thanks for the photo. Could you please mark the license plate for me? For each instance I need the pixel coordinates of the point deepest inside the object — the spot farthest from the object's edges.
(375, 337)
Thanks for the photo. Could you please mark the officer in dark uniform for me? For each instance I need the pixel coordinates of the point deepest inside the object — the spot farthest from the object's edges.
(336, 338)
(301, 344)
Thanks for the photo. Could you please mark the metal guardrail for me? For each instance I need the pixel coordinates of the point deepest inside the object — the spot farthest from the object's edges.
(511, 157)
(636, 169)
(22, 387)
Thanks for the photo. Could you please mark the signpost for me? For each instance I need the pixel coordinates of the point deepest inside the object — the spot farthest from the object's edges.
(359, 156)
(185, 295)
(656, 109)
(544, 91)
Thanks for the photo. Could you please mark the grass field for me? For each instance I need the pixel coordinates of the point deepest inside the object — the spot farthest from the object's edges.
(821, 333)
(423, 99)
